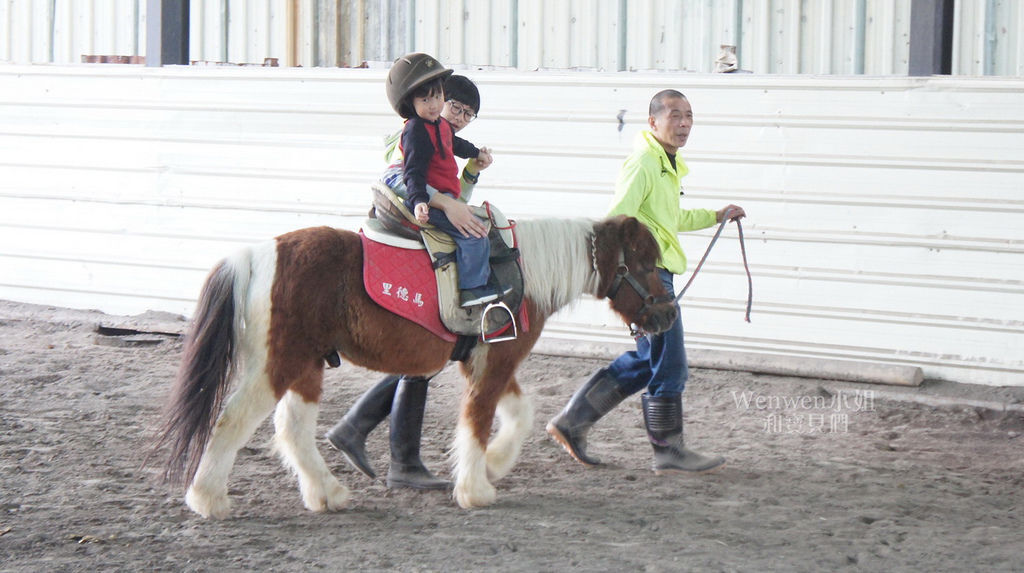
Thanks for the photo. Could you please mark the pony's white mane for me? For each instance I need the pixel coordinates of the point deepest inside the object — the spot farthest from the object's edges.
(557, 268)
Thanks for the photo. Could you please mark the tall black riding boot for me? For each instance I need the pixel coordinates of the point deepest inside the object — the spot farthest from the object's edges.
(407, 469)
(663, 417)
(592, 401)
(348, 436)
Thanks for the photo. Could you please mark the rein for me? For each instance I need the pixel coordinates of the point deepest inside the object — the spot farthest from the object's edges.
(743, 251)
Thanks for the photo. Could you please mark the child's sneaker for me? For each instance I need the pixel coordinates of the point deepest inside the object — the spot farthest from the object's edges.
(477, 295)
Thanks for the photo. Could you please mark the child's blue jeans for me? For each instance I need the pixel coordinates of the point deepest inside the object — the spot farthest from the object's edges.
(472, 254)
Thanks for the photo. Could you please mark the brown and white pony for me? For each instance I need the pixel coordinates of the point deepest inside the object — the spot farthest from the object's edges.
(269, 314)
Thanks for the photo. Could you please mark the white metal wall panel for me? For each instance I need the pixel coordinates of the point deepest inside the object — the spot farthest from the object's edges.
(773, 36)
(816, 57)
(786, 36)
(100, 169)
(238, 40)
(825, 36)
(755, 36)
(988, 37)
(301, 46)
(244, 31)
(430, 35)
(969, 41)
(206, 33)
(556, 32)
(489, 31)
(884, 213)
(594, 39)
(530, 34)
(1008, 59)
(64, 30)
(677, 35)
(887, 41)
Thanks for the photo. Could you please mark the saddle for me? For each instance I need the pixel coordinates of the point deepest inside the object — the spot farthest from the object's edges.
(494, 322)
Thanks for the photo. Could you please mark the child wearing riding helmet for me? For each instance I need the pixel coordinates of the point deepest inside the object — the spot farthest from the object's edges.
(405, 397)
(462, 104)
(415, 88)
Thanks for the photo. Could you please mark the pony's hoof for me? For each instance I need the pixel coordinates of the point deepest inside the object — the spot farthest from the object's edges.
(215, 506)
(480, 496)
(334, 497)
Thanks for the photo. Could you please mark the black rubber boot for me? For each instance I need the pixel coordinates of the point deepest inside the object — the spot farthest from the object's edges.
(348, 436)
(407, 469)
(663, 417)
(592, 401)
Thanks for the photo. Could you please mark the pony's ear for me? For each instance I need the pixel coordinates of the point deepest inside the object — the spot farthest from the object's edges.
(639, 238)
(624, 227)
(632, 229)
(633, 232)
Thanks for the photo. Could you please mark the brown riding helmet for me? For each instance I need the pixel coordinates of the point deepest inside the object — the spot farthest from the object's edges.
(410, 72)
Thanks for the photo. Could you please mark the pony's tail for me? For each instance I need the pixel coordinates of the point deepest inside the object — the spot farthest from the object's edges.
(208, 359)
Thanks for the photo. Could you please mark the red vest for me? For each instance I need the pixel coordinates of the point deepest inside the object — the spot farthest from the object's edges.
(443, 172)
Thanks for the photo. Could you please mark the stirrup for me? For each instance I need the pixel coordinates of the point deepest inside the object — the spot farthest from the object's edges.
(500, 307)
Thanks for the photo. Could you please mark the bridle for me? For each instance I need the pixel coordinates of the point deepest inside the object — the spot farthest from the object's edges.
(624, 276)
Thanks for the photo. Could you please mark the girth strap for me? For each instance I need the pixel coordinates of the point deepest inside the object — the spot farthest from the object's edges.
(463, 345)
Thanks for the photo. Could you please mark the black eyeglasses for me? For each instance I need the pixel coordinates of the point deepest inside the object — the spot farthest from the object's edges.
(458, 108)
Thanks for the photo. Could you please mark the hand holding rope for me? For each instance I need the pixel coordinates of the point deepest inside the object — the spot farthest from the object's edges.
(726, 217)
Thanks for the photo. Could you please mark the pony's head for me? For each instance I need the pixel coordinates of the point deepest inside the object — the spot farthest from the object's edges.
(625, 254)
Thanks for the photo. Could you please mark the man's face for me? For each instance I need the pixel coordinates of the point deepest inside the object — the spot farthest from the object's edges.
(671, 126)
(458, 118)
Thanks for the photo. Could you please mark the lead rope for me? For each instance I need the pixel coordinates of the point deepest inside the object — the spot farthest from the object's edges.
(743, 251)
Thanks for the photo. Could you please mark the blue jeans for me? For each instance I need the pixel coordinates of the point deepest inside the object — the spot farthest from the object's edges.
(472, 254)
(659, 361)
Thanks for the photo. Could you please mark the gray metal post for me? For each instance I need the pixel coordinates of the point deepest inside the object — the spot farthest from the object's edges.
(166, 32)
(623, 38)
(931, 37)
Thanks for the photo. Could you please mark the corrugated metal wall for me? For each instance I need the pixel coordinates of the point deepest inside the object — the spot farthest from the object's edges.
(61, 31)
(884, 212)
(773, 36)
(989, 38)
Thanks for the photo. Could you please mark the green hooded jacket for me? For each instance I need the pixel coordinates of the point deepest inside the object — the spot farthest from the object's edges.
(648, 189)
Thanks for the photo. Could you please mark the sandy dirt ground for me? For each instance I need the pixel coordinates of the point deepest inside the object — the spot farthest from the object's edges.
(821, 476)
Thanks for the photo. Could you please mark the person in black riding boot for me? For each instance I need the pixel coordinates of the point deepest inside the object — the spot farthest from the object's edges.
(349, 435)
(404, 398)
(648, 189)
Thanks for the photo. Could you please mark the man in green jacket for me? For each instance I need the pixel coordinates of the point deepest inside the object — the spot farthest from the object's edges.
(648, 189)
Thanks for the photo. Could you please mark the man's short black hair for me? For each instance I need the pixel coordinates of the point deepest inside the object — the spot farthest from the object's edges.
(462, 90)
(658, 101)
(433, 87)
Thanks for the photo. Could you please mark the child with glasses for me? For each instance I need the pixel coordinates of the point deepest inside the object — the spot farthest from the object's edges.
(457, 108)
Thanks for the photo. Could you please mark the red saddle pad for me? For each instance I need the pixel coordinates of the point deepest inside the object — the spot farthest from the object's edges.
(403, 282)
